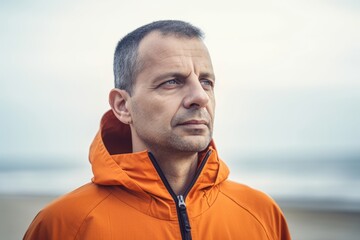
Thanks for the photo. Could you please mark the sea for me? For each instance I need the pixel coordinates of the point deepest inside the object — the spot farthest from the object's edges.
(321, 183)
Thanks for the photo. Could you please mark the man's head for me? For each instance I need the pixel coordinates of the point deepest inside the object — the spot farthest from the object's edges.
(126, 62)
(170, 106)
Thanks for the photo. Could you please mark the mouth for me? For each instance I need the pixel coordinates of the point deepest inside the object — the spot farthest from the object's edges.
(194, 123)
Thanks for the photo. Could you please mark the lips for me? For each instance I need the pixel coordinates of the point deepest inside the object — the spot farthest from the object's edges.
(194, 122)
(193, 119)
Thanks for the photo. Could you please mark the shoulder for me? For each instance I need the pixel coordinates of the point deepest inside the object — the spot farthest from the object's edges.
(248, 198)
(65, 215)
(245, 195)
(261, 206)
(79, 202)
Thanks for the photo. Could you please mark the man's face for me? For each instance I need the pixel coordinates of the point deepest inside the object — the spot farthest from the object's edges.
(172, 102)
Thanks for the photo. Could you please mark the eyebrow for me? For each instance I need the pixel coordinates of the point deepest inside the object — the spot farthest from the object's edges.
(181, 75)
(207, 75)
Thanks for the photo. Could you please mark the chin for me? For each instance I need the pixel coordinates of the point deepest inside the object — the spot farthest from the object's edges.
(194, 145)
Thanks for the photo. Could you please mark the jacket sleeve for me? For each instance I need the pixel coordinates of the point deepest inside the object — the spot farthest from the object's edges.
(48, 225)
(38, 229)
(63, 218)
(281, 227)
(262, 207)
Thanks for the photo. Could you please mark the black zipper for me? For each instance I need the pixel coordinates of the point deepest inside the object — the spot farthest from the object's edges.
(183, 218)
(184, 222)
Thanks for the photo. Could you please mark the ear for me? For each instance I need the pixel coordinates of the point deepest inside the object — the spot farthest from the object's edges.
(118, 100)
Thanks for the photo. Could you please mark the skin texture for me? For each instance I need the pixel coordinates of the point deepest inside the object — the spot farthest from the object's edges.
(171, 107)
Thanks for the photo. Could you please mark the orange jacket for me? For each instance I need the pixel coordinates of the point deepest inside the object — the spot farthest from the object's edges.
(130, 199)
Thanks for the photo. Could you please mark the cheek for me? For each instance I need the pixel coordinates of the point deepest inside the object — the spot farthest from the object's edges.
(154, 111)
(211, 107)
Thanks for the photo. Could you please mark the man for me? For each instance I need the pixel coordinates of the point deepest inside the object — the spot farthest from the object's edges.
(157, 174)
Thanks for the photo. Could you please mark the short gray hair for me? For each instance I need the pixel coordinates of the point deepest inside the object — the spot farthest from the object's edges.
(126, 64)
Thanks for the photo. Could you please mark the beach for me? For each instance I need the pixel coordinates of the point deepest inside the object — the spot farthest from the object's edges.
(309, 224)
(305, 223)
(17, 213)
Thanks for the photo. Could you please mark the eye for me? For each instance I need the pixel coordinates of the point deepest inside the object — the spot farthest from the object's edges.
(169, 84)
(207, 84)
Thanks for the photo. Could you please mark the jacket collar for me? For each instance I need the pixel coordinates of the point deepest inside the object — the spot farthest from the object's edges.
(114, 164)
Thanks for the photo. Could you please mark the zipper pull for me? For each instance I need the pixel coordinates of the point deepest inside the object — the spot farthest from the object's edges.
(181, 202)
(183, 214)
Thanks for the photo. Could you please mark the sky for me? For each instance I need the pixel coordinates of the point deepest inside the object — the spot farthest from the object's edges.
(288, 73)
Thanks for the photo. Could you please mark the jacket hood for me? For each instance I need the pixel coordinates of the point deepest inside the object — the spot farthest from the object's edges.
(114, 164)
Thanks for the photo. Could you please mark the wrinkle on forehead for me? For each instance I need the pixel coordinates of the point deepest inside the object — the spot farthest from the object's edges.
(157, 49)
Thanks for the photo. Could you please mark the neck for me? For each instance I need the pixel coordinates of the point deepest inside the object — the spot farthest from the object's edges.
(179, 169)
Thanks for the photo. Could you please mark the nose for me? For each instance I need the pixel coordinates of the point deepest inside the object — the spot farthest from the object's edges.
(196, 96)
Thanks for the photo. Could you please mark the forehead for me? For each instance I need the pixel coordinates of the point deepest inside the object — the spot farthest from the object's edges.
(169, 50)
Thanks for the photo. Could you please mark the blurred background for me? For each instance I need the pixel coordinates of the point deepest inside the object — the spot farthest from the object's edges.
(288, 100)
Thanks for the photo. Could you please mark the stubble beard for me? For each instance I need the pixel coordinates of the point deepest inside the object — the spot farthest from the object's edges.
(174, 143)
(191, 140)
(173, 140)
(186, 144)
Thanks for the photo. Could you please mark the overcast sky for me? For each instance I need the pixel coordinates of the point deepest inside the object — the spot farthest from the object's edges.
(288, 72)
